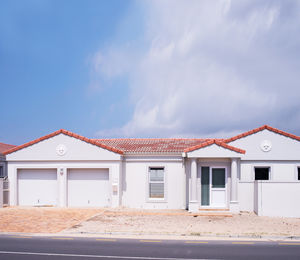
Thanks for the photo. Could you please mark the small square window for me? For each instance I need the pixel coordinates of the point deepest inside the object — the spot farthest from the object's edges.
(298, 173)
(262, 173)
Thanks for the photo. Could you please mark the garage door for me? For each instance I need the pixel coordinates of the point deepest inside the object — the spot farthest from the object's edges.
(88, 188)
(37, 187)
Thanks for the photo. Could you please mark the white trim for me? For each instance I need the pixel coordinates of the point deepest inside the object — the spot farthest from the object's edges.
(156, 200)
(211, 166)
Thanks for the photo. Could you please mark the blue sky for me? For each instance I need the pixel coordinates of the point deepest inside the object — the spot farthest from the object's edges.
(45, 47)
(148, 68)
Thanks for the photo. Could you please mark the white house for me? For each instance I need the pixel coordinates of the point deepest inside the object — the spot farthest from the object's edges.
(254, 171)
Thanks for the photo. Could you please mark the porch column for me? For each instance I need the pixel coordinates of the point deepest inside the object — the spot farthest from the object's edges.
(193, 204)
(234, 204)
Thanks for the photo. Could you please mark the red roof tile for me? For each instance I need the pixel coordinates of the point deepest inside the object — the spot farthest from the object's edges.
(217, 142)
(62, 131)
(155, 145)
(152, 145)
(5, 147)
(275, 130)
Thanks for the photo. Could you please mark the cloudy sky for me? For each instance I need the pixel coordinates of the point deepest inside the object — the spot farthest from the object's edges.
(148, 68)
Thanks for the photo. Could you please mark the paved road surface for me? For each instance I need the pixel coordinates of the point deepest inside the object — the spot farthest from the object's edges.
(66, 248)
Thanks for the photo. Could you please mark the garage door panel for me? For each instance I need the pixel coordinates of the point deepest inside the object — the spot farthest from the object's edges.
(37, 187)
(88, 174)
(88, 187)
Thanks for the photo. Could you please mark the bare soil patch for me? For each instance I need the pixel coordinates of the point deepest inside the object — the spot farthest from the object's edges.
(42, 219)
(182, 223)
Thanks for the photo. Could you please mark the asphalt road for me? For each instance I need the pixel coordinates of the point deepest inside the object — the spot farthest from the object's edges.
(30, 247)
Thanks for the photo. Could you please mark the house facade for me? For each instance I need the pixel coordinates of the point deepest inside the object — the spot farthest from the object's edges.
(254, 171)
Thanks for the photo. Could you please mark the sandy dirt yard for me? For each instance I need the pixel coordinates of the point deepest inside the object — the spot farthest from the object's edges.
(183, 223)
(42, 220)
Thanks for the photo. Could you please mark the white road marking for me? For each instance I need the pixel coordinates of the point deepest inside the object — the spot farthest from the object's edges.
(101, 256)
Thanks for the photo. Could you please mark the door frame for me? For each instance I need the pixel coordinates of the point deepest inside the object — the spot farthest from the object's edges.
(215, 166)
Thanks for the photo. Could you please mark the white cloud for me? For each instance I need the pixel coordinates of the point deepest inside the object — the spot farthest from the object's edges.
(210, 67)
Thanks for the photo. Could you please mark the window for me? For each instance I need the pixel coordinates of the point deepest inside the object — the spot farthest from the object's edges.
(218, 178)
(298, 173)
(156, 183)
(262, 173)
(1, 172)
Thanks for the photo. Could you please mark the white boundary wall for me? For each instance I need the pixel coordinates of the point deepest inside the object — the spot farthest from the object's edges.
(277, 199)
(281, 172)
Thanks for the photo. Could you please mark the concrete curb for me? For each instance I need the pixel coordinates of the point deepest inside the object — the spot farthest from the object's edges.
(186, 236)
(165, 236)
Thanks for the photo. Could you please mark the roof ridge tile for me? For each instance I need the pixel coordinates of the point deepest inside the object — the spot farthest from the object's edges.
(261, 128)
(71, 134)
(217, 142)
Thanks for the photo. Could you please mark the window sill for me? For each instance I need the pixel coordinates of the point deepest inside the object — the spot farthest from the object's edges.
(149, 200)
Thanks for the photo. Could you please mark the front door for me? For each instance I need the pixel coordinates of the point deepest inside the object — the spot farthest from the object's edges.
(213, 187)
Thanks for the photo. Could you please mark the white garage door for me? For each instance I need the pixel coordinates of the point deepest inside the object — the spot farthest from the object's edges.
(37, 187)
(88, 188)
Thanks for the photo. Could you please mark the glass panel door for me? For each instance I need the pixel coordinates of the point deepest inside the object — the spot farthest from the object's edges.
(205, 186)
(218, 187)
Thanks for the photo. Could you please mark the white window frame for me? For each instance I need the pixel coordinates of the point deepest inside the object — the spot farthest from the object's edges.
(263, 166)
(149, 181)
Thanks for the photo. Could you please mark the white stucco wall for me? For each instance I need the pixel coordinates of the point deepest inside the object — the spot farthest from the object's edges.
(280, 171)
(80, 155)
(246, 196)
(283, 148)
(277, 199)
(135, 183)
(283, 159)
(77, 150)
(213, 151)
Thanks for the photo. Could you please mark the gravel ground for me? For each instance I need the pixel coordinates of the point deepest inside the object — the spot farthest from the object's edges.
(182, 223)
(42, 219)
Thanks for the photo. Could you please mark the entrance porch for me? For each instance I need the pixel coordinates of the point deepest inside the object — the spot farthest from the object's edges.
(213, 184)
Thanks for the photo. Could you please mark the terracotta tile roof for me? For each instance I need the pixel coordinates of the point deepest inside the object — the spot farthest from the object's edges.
(5, 147)
(152, 145)
(275, 130)
(62, 131)
(217, 142)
